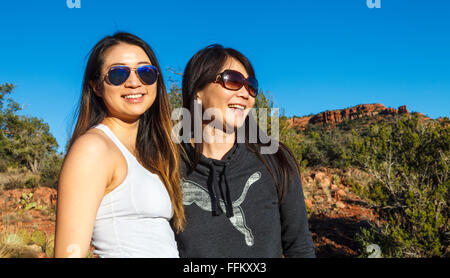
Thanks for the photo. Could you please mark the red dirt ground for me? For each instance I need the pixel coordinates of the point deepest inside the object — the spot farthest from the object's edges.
(335, 213)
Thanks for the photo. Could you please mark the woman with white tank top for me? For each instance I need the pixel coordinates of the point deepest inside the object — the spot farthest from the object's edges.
(119, 185)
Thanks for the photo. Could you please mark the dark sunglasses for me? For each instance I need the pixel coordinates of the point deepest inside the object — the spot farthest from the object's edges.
(234, 80)
(117, 75)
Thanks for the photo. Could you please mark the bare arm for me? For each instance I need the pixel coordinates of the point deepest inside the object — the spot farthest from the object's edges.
(84, 176)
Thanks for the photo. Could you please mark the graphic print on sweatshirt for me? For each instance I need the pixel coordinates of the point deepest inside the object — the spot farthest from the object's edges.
(193, 193)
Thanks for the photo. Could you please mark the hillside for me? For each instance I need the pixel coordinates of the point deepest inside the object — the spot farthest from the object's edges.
(370, 175)
(331, 118)
(373, 174)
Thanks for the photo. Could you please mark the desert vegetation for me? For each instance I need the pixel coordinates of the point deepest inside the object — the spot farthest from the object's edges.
(370, 180)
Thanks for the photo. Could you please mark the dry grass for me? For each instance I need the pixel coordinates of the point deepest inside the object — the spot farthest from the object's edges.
(16, 178)
(11, 246)
(15, 221)
(12, 218)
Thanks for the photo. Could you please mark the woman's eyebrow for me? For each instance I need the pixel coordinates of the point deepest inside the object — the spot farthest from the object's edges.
(123, 64)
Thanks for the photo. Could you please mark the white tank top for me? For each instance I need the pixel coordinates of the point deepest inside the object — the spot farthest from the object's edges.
(133, 219)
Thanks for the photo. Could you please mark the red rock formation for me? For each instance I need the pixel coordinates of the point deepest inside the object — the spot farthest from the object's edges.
(403, 110)
(337, 116)
(389, 111)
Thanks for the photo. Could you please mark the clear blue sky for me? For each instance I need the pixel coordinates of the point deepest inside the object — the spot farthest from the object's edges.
(311, 55)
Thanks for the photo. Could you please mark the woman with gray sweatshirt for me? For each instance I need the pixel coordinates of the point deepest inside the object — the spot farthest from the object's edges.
(239, 201)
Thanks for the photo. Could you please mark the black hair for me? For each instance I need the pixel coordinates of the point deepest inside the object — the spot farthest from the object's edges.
(202, 69)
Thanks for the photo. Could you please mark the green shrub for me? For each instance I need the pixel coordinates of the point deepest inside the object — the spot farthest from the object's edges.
(26, 201)
(409, 162)
(3, 166)
(326, 147)
(13, 183)
(39, 238)
(50, 172)
(31, 182)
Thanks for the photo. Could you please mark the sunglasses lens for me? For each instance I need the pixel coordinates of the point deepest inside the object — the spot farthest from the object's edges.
(253, 86)
(148, 74)
(233, 80)
(118, 75)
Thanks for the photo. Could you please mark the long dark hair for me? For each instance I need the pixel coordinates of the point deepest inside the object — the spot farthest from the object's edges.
(155, 148)
(203, 68)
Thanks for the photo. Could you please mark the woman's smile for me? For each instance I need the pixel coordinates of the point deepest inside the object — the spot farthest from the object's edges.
(237, 109)
(134, 98)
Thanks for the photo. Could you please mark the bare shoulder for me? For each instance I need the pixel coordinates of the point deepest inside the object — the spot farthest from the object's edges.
(90, 161)
(92, 147)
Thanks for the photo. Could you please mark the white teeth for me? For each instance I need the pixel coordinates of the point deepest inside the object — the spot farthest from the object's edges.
(237, 106)
(133, 96)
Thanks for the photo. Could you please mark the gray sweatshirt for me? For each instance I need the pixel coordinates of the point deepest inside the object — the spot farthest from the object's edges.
(232, 210)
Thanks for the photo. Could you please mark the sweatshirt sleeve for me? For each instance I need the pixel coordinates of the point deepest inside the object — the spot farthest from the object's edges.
(295, 235)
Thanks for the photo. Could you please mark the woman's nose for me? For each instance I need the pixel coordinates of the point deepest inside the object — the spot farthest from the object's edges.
(133, 80)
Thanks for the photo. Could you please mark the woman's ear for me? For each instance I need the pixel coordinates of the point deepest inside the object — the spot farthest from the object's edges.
(199, 96)
(95, 88)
